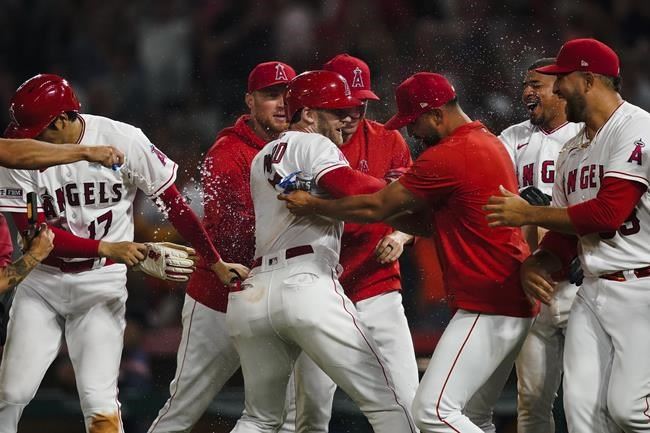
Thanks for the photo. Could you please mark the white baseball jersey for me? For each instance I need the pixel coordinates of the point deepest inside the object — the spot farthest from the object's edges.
(534, 152)
(619, 150)
(88, 200)
(308, 157)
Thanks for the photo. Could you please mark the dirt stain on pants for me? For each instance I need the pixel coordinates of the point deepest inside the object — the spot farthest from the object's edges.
(102, 423)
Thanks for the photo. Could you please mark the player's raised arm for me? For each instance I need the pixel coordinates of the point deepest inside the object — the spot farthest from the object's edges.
(33, 154)
(188, 225)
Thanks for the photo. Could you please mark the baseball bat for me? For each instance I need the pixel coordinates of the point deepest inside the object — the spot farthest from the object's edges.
(32, 214)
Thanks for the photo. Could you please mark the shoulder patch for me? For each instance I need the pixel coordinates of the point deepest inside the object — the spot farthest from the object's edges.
(637, 153)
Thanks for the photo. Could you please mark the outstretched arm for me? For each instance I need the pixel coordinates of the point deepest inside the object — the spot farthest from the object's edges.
(188, 225)
(613, 204)
(388, 203)
(32, 154)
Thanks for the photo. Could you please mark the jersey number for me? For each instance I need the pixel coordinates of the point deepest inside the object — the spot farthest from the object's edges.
(106, 219)
(629, 227)
(275, 156)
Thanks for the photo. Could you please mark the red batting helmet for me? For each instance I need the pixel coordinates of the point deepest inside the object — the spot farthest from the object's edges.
(37, 102)
(318, 89)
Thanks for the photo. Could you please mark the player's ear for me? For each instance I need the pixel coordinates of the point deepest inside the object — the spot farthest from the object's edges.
(437, 116)
(249, 100)
(308, 116)
(59, 122)
(589, 80)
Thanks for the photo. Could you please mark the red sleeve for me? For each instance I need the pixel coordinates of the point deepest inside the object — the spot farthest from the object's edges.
(187, 224)
(614, 203)
(562, 245)
(345, 181)
(229, 214)
(65, 243)
(6, 247)
(433, 174)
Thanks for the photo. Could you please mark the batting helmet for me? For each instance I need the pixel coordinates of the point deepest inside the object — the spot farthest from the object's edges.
(318, 89)
(37, 102)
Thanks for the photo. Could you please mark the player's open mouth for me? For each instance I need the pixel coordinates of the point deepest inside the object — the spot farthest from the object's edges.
(531, 106)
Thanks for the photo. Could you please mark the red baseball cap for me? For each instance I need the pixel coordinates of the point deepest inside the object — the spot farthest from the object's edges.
(587, 55)
(356, 73)
(269, 74)
(418, 94)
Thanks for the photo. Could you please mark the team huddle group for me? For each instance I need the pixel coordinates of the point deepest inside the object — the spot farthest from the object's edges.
(306, 303)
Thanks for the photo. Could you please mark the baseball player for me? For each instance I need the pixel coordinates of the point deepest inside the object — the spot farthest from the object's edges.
(534, 146)
(292, 301)
(80, 289)
(369, 253)
(206, 355)
(600, 196)
(33, 154)
(442, 193)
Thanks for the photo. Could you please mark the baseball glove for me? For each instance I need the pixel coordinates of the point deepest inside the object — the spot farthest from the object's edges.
(535, 196)
(168, 261)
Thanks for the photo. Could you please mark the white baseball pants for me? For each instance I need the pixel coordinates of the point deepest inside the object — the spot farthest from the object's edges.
(467, 372)
(383, 317)
(607, 357)
(206, 359)
(298, 305)
(539, 364)
(88, 308)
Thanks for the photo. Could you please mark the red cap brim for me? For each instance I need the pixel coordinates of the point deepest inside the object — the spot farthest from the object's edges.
(365, 94)
(399, 121)
(265, 85)
(554, 70)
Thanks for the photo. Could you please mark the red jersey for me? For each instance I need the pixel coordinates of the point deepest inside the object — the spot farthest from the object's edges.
(372, 150)
(6, 247)
(480, 264)
(229, 216)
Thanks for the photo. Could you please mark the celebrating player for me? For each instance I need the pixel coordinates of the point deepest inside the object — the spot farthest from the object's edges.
(600, 194)
(293, 302)
(206, 356)
(534, 146)
(443, 191)
(369, 253)
(80, 289)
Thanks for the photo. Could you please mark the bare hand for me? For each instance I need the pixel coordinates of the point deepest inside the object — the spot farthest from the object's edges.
(129, 253)
(508, 209)
(391, 247)
(40, 246)
(299, 203)
(536, 282)
(230, 273)
(108, 156)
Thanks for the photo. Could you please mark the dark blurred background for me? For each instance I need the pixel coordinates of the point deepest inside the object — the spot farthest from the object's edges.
(178, 69)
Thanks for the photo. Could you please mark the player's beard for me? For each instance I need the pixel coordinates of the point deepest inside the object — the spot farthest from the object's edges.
(274, 126)
(432, 139)
(575, 107)
(328, 130)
